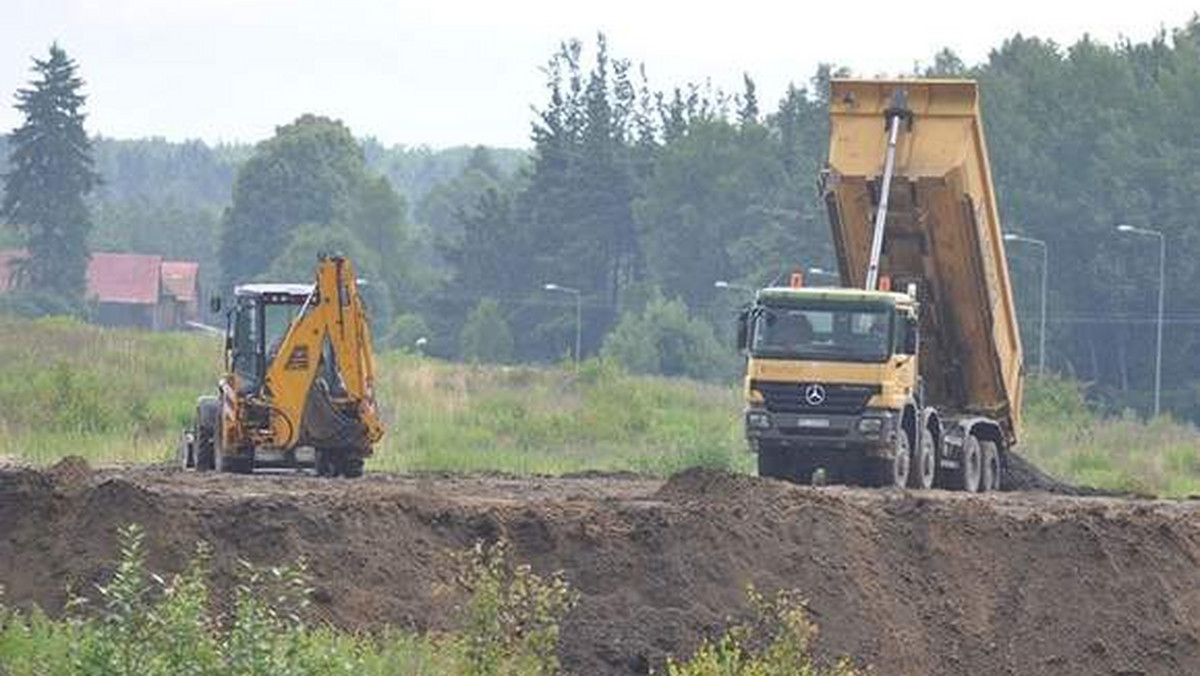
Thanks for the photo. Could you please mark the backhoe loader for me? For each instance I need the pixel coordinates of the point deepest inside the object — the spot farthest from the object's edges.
(298, 389)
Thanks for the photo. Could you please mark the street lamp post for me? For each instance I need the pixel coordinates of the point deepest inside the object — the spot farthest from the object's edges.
(578, 314)
(1010, 237)
(826, 273)
(730, 286)
(1162, 278)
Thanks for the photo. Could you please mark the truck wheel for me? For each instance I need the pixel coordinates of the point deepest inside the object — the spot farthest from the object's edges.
(893, 472)
(205, 431)
(924, 465)
(970, 467)
(991, 472)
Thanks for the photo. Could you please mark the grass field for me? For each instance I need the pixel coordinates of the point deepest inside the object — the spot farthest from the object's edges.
(124, 396)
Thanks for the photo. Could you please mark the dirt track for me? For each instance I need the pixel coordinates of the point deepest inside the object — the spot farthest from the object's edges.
(912, 583)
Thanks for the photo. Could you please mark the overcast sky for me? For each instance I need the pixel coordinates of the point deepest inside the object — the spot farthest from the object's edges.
(450, 72)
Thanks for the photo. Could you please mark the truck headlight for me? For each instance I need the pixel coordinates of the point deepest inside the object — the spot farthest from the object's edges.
(758, 420)
(870, 427)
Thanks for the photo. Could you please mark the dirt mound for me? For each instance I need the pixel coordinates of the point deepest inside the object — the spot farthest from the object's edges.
(1022, 475)
(70, 472)
(912, 583)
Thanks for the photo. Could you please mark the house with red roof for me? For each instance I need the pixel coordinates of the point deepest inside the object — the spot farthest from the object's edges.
(131, 289)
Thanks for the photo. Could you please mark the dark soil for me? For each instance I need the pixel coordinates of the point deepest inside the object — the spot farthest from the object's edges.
(910, 582)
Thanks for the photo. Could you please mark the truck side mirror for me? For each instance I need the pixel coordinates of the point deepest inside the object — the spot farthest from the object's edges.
(910, 336)
(743, 330)
(214, 303)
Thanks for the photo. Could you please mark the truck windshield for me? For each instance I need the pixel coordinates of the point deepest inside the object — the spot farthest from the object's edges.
(823, 333)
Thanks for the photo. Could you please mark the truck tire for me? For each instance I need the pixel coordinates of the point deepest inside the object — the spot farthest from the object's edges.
(990, 476)
(204, 436)
(924, 463)
(890, 472)
(969, 473)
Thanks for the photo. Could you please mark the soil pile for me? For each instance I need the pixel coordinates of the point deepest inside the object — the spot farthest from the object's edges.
(912, 583)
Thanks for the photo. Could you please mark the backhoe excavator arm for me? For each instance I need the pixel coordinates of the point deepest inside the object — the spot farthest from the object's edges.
(331, 337)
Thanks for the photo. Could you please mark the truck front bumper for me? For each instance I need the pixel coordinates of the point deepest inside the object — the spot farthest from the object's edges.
(872, 432)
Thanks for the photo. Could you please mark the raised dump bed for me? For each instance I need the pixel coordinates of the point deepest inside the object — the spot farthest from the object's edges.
(942, 233)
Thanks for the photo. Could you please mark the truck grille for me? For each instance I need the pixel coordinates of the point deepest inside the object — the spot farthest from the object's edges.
(794, 397)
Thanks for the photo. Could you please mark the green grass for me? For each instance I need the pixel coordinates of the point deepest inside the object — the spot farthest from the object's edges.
(124, 396)
(1068, 440)
(68, 388)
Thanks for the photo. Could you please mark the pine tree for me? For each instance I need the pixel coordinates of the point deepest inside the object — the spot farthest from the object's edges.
(51, 173)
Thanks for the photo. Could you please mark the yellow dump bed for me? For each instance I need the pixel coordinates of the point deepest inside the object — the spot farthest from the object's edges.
(943, 233)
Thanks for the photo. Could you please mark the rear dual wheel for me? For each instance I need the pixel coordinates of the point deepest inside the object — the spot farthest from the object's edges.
(968, 476)
(991, 471)
(924, 463)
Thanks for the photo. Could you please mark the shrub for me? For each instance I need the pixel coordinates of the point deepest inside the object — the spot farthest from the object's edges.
(405, 330)
(486, 338)
(665, 340)
(776, 642)
(143, 625)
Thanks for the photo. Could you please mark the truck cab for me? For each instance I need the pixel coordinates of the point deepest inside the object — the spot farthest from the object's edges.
(832, 383)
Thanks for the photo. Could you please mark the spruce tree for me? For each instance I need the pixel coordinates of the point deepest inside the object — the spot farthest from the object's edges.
(51, 171)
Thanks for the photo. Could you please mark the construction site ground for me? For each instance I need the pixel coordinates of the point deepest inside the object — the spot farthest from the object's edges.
(922, 583)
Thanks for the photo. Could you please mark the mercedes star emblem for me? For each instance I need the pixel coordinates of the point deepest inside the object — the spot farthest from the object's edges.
(814, 395)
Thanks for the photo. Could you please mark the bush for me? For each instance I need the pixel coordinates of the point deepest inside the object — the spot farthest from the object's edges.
(485, 337)
(776, 642)
(405, 330)
(144, 625)
(33, 303)
(665, 340)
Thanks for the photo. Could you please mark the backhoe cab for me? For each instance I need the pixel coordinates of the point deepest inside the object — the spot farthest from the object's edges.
(298, 389)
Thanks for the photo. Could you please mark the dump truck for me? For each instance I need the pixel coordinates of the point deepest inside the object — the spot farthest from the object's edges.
(299, 384)
(910, 373)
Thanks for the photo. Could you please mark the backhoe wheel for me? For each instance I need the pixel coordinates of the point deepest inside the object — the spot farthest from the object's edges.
(352, 465)
(970, 467)
(991, 472)
(326, 461)
(237, 462)
(924, 465)
(204, 433)
(892, 472)
(234, 464)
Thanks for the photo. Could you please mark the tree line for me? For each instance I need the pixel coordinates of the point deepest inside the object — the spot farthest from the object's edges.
(634, 200)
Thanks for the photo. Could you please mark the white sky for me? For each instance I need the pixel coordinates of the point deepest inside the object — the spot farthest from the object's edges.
(449, 72)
